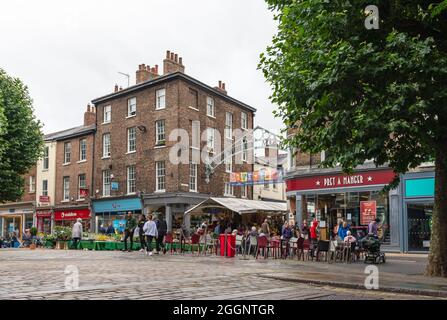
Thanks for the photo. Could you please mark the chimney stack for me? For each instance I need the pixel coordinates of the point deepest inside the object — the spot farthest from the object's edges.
(89, 116)
(221, 87)
(173, 63)
(116, 88)
(146, 73)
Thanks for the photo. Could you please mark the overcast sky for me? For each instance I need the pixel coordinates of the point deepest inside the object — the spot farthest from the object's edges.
(70, 52)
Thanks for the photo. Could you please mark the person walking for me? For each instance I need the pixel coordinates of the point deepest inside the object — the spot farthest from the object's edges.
(162, 229)
(151, 232)
(141, 223)
(313, 236)
(265, 227)
(305, 229)
(76, 232)
(129, 229)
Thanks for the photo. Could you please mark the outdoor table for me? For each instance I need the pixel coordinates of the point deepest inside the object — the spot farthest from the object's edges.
(86, 244)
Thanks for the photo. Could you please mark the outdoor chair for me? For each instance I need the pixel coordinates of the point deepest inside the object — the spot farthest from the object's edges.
(253, 243)
(195, 242)
(322, 247)
(262, 244)
(239, 247)
(169, 240)
(293, 247)
(274, 246)
(332, 251)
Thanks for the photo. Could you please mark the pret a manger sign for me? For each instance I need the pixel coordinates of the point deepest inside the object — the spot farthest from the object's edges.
(358, 179)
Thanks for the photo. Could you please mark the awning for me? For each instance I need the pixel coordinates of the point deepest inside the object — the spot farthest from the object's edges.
(240, 206)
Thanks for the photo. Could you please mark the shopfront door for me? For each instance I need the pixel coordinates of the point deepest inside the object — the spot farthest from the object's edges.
(419, 226)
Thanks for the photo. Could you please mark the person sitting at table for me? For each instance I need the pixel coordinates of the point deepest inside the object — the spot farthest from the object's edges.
(110, 229)
(349, 238)
(343, 229)
(253, 232)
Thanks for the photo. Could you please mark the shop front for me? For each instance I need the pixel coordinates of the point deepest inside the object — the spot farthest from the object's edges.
(67, 217)
(418, 199)
(332, 197)
(113, 212)
(16, 218)
(44, 220)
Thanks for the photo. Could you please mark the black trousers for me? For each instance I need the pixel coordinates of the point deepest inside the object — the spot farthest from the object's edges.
(75, 242)
(149, 243)
(159, 242)
(142, 239)
(128, 234)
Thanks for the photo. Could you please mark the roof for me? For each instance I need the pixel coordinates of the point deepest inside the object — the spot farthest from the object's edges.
(280, 160)
(167, 77)
(70, 133)
(240, 206)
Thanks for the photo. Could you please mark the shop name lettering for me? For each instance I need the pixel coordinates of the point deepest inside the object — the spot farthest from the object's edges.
(68, 214)
(339, 181)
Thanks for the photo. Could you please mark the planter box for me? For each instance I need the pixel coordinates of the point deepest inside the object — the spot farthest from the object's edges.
(62, 245)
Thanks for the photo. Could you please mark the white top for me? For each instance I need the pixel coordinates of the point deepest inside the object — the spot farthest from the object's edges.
(150, 228)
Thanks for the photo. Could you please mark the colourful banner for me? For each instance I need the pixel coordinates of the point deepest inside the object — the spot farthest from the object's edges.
(256, 177)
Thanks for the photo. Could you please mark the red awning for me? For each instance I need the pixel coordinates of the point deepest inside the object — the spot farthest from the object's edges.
(72, 214)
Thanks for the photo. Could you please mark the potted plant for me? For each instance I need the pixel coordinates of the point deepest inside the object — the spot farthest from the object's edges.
(62, 235)
(49, 240)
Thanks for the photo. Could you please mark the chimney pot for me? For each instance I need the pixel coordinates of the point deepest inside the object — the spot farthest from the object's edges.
(116, 87)
(172, 55)
(220, 84)
(168, 54)
(88, 107)
(223, 85)
(156, 68)
(180, 60)
(176, 57)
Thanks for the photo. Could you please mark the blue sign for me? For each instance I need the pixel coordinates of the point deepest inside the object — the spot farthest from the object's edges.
(117, 205)
(421, 187)
(114, 186)
(119, 225)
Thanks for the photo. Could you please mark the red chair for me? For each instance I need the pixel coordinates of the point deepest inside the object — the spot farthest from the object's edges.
(262, 244)
(306, 248)
(275, 246)
(195, 241)
(170, 240)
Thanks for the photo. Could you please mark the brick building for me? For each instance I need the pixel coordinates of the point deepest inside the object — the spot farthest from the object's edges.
(74, 171)
(134, 151)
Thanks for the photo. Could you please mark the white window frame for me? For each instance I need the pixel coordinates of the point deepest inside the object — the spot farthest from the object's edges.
(67, 153)
(229, 189)
(83, 149)
(131, 179)
(195, 134)
(106, 146)
(107, 114)
(228, 160)
(210, 139)
(160, 99)
(244, 120)
(160, 132)
(244, 191)
(210, 107)
(32, 184)
(106, 183)
(229, 125)
(66, 188)
(81, 186)
(131, 139)
(193, 167)
(46, 158)
(131, 107)
(160, 176)
(45, 187)
(244, 149)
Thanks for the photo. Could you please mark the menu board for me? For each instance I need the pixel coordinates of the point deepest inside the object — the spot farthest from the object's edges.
(368, 212)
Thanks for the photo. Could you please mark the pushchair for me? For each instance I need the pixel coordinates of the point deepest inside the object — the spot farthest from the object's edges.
(371, 246)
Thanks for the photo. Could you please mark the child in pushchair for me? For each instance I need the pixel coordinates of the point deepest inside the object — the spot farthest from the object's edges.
(371, 245)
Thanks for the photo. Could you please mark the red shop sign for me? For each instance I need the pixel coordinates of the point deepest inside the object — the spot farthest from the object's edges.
(83, 193)
(43, 214)
(44, 199)
(358, 179)
(72, 214)
(368, 212)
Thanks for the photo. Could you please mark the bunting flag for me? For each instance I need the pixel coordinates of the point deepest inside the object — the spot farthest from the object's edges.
(256, 177)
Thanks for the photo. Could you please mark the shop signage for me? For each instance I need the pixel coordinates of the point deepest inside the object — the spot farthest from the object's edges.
(83, 193)
(256, 177)
(114, 186)
(44, 199)
(368, 212)
(72, 214)
(43, 214)
(359, 179)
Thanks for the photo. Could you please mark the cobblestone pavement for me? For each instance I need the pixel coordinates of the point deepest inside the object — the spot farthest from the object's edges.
(39, 274)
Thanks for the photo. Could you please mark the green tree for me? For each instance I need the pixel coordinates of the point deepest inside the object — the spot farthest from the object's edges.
(21, 139)
(366, 94)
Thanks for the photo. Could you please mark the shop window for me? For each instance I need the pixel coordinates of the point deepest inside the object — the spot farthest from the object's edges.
(419, 226)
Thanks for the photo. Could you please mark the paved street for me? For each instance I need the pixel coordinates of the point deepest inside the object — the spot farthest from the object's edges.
(40, 274)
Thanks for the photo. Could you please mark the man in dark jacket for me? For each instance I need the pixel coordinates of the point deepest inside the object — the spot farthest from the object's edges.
(129, 229)
(141, 235)
(162, 229)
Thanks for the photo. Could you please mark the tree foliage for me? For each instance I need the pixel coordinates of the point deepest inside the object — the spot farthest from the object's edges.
(364, 94)
(21, 139)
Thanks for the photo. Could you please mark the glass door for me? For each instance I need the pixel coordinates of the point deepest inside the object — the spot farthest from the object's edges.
(419, 226)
